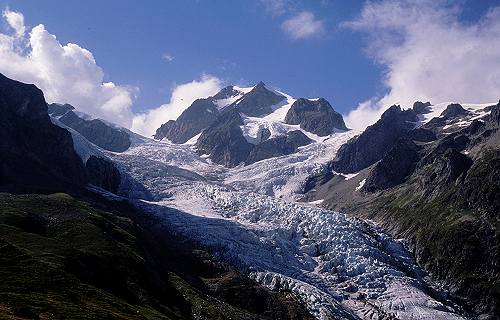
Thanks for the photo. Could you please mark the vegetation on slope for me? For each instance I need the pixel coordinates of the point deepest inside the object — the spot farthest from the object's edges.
(61, 258)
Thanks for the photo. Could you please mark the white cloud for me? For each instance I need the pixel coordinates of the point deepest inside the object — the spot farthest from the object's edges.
(365, 114)
(167, 57)
(15, 21)
(429, 54)
(65, 73)
(182, 97)
(69, 74)
(275, 7)
(303, 25)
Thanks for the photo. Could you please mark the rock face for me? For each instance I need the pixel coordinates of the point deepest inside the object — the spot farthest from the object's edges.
(421, 135)
(454, 110)
(494, 118)
(421, 108)
(278, 146)
(103, 173)
(375, 141)
(226, 93)
(57, 110)
(446, 168)
(395, 166)
(257, 102)
(164, 130)
(96, 131)
(224, 140)
(35, 154)
(201, 114)
(315, 116)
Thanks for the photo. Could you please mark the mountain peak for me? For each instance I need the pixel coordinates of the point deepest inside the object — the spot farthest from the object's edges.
(421, 107)
(453, 110)
(315, 116)
(259, 101)
(260, 85)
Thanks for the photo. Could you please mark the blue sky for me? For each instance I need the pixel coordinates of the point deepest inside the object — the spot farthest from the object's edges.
(157, 46)
(237, 41)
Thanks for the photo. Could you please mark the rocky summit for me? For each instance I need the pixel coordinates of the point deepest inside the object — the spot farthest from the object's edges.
(240, 125)
(315, 116)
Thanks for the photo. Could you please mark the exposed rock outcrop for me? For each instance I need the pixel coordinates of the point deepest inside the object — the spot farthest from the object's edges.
(278, 146)
(315, 116)
(96, 131)
(421, 107)
(35, 154)
(226, 93)
(201, 114)
(375, 141)
(395, 166)
(224, 140)
(257, 102)
(494, 118)
(103, 173)
(421, 135)
(453, 110)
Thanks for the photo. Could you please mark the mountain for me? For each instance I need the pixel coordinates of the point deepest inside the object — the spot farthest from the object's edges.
(257, 102)
(256, 114)
(201, 114)
(256, 218)
(315, 116)
(35, 154)
(279, 146)
(96, 131)
(223, 140)
(93, 254)
(436, 186)
(375, 141)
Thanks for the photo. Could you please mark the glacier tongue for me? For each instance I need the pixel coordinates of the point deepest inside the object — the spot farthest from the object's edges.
(341, 267)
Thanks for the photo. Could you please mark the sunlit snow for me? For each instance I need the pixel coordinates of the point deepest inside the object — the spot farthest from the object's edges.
(249, 216)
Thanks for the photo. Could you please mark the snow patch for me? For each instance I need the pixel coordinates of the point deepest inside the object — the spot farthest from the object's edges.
(361, 184)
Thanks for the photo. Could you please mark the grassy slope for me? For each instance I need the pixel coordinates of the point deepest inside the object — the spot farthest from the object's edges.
(454, 231)
(61, 258)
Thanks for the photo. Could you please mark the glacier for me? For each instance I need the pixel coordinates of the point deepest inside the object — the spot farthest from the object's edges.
(251, 216)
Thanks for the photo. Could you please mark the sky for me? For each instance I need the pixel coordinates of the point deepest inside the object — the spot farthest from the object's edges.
(139, 64)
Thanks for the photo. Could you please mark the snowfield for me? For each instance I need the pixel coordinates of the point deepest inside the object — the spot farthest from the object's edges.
(339, 266)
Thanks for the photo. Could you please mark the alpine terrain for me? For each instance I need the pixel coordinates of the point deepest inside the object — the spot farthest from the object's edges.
(252, 204)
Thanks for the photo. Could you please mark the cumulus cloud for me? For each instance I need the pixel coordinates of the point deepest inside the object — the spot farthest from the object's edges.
(182, 97)
(15, 21)
(303, 25)
(65, 73)
(69, 74)
(428, 54)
